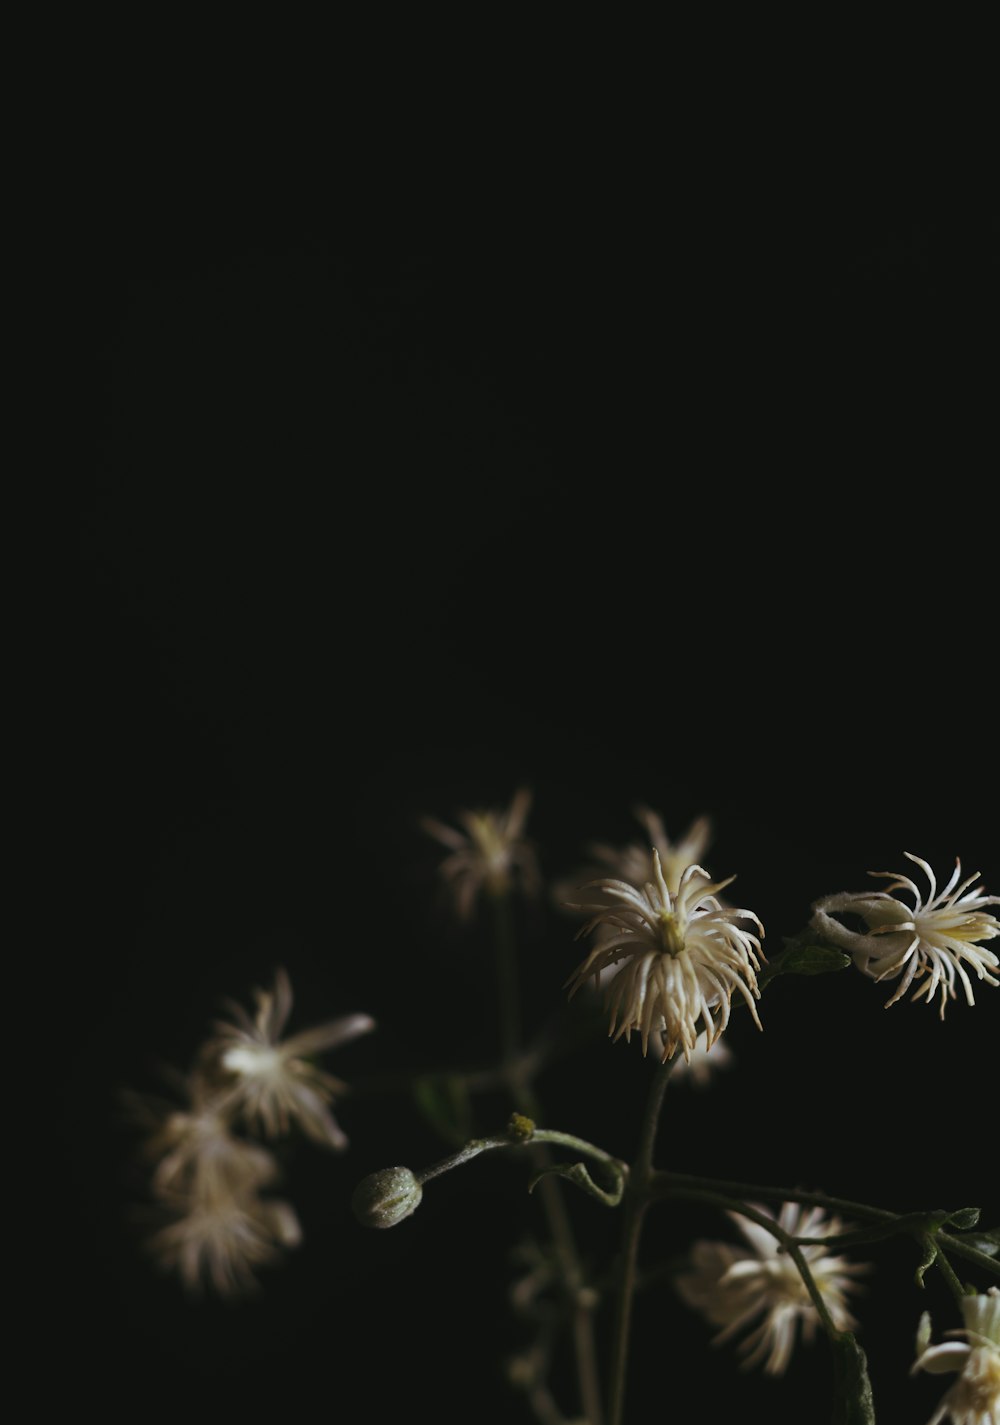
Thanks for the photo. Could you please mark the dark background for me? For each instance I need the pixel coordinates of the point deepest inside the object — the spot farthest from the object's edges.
(675, 489)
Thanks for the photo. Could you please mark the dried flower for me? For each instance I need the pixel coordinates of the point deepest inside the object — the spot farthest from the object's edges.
(732, 1287)
(974, 1399)
(684, 956)
(274, 1079)
(928, 941)
(223, 1240)
(488, 854)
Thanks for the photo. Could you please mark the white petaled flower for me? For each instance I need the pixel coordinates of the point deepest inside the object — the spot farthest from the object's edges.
(682, 957)
(489, 854)
(930, 942)
(974, 1399)
(634, 862)
(275, 1081)
(196, 1152)
(735, 1288)
(222, 1241)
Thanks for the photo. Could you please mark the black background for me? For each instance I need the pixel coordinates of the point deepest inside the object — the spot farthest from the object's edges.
(627, 486)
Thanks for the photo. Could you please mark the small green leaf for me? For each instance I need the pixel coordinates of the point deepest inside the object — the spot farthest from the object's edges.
(815, 960)
(444, 1104)
(852, 1389)
(964, 1218)
(804, 956)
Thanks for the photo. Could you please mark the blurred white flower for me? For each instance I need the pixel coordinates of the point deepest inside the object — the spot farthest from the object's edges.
(974, 1399)
(489, 854)
(927, 941)
(683, 954)
(195, 1151)
(221, 1241)
(274, 1080)
(732, 1287)
(634, 862)
(704, 1062)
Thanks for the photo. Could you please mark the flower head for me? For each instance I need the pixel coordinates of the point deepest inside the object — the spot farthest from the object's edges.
(926, 942)
(222, 1240)
(634, 862)
(195, 1150)
(683, 955)
(974, 1399)
(732, 1287)
(488, 854)
(274, 1080)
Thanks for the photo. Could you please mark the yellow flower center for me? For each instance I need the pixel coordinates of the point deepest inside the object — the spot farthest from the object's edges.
(671, 932)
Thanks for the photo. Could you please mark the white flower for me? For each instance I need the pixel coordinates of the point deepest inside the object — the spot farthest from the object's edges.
(927, 941)
(974, 1399)
(488, 854)
(196, 1152)
(683, 954)
(274, 1079)
(634, 862)
(732, 1287)
(223, 1240)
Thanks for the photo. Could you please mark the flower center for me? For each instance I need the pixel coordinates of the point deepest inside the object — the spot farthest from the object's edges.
(671, 932)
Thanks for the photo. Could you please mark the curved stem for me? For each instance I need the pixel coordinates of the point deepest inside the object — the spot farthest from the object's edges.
(636, 1202)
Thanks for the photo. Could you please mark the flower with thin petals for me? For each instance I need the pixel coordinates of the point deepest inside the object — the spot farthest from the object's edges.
(926, 942)
(275, 1081)
(733, 1288)
(683, 956)
(974, 1399)
(634, 862)
(195, 1150)
(223, 1240)
(489, 854)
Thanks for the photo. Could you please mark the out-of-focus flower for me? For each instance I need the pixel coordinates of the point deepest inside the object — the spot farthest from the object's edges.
(489, 854)
(974, 1399)
(683, 954)
(634, 862)
(732, 1287)
(195, 1151)
(927, 942)
(275, 1081)
(221, 1241)
(703, 1064)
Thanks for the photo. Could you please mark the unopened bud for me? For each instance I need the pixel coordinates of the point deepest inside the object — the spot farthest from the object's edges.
(386, 1197)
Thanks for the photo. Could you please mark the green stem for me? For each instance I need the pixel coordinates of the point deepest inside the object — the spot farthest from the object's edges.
(519, 1072)
(636, 1202)
(948, 1272)
(971, 1254)
(788, 1242)
(663, 1185)
(507, 997)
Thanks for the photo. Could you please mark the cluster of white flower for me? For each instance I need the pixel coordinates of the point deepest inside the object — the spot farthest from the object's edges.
(208, 1179)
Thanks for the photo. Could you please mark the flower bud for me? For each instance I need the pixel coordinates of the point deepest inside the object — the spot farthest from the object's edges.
(386, 1197)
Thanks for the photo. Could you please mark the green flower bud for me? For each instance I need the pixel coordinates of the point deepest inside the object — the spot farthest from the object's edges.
(386, 1197)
